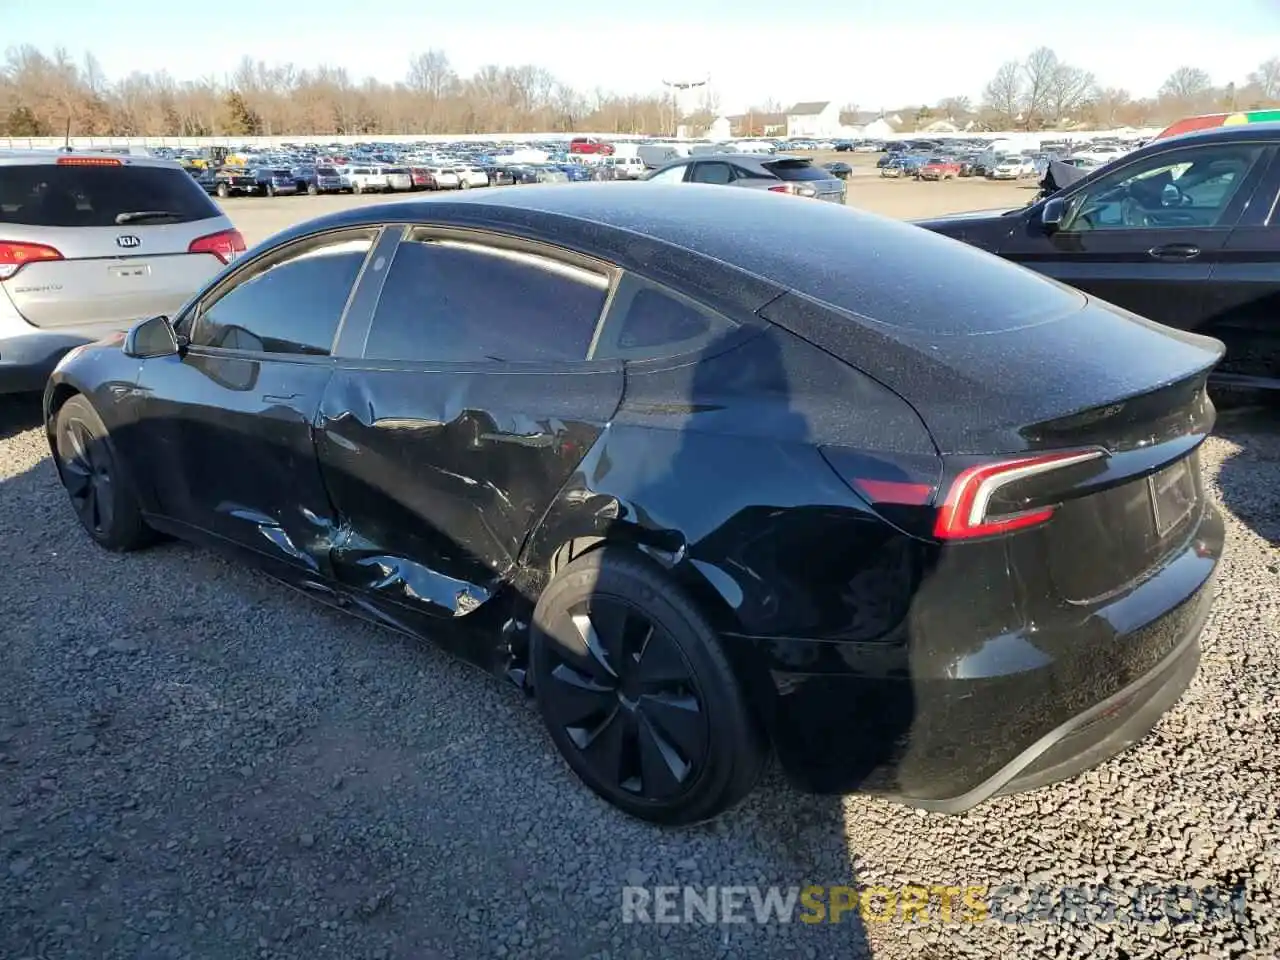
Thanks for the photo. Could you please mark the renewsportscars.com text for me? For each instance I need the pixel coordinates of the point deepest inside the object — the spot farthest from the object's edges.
(977, 903)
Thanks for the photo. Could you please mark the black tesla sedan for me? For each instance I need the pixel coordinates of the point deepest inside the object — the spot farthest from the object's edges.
(1185, 231)
(710, 472)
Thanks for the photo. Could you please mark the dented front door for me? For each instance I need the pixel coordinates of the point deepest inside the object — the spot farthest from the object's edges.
(439, 472)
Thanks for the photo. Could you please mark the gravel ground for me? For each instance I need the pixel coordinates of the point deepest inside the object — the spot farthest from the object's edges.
(197, 763)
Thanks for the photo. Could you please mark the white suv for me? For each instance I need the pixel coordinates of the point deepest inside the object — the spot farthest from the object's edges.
(90, 243)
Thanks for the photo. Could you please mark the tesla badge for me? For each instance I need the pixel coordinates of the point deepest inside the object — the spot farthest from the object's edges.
(128, 241)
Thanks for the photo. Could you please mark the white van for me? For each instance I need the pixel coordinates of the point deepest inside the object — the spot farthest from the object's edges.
(364, 179)
(626, 168)
(657, 155)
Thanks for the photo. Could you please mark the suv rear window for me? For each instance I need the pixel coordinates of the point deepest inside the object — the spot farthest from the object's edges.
(49, 195)
(326, 171)
(796, 170)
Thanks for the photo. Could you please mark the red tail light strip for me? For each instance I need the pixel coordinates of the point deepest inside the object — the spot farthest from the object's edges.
(964, 512)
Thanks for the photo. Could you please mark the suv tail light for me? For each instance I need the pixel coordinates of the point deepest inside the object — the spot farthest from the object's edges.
(967, 512)
(15, 256)
(795, 189)
(226, 245)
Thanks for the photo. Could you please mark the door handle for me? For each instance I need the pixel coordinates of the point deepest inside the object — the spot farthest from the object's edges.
(1175, 251)
(279, 397)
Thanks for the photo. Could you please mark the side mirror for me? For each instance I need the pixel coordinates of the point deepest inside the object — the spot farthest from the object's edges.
(1053, 212)
(154, 337)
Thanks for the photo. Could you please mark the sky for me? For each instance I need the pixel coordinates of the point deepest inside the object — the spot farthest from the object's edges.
(867, 52)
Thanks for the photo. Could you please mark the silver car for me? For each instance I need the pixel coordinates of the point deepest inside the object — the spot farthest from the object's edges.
(778, 174)
(91, 242)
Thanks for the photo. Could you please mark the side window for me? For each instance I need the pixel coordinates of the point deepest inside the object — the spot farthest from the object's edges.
(291, 305)
(648, 322)
(712, 173)
(670, 175)
(1183, 188)
(462, 301)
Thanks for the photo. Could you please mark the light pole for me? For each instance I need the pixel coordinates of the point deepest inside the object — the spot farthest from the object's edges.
(678, 89)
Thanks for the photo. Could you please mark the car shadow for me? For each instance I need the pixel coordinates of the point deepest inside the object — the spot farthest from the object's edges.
(1244, 475)
(19, 412)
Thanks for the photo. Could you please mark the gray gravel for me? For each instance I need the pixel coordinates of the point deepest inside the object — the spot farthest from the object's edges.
(197, 763)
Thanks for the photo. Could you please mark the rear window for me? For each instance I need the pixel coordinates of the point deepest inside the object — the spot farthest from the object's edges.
(46, 195)
(326, 172)
(796, 170)
(281, 173)
(397, 170)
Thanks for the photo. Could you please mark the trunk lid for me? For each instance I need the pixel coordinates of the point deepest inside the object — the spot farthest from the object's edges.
(98, 280)
(1093, 379)
(1059, 371)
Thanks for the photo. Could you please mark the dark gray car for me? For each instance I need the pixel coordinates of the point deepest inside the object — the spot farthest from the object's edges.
(778, 174)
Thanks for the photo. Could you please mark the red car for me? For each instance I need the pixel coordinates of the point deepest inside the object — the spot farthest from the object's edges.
(940, 168)
(590, 145)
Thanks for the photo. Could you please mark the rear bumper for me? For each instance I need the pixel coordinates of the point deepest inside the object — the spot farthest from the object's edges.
(943, 721)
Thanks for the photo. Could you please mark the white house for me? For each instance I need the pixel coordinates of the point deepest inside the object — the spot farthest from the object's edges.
(880, 127)
(817, 118)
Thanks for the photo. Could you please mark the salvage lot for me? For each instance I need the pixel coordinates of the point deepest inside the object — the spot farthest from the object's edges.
(198, 763)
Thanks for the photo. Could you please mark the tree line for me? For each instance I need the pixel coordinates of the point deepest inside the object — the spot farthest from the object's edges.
(1043, 90)
(47, 94)
(44, 94)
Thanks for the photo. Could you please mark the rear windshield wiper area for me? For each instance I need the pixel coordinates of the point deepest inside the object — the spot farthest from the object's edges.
(147, 216)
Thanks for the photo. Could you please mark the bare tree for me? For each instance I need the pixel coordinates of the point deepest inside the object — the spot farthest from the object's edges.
(1070, 88)
(955, 108)
(1108, 106)
(1040, 69)
(1186, 84)
(1267, 79)
(1003, 96)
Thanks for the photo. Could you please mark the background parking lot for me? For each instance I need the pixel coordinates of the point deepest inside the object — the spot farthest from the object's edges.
(196, 763)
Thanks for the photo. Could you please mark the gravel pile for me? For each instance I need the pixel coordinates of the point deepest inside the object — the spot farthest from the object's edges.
(197, 763)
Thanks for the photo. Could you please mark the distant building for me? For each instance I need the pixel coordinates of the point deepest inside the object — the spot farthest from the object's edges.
(816, 118)
(880, 127)
(721, 129)
(758, 124)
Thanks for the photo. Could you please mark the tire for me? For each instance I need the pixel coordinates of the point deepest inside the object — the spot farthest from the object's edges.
(677, 747)
(222, 191)
(357, 189)
(101, 493)
(312, 189)
(464, 184)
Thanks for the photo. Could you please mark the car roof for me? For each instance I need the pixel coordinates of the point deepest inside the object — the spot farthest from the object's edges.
(34, 157)
(731, 247)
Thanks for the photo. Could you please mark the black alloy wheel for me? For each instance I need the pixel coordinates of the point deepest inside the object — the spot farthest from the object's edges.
(100, 493)
(637, 694)
(628, 700)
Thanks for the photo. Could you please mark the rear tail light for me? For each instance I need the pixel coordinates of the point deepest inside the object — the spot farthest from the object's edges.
(89, 162)
(226, 245)
(795, 189)
(15, 256)
(967, 513)
(984, 500)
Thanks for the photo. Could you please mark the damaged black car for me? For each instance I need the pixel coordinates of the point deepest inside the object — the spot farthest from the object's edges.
(710, 474)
